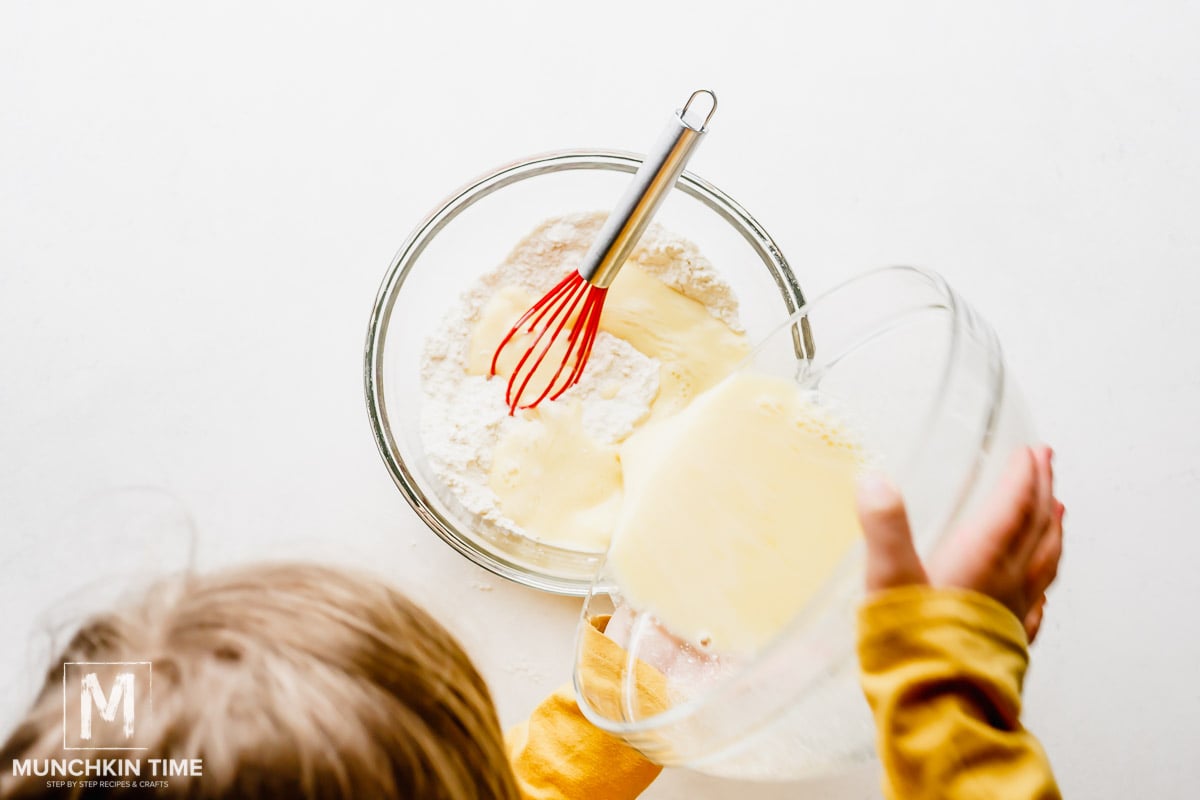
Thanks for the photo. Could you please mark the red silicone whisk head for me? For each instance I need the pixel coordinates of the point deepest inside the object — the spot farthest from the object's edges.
(571, 309)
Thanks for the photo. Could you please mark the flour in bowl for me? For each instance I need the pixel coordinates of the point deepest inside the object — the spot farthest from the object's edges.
(633, 374)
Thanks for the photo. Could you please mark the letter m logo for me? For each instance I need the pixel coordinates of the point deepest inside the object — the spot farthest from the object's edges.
(91, 694)
(110, 698)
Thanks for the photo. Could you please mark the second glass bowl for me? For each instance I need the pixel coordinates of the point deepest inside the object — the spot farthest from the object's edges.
(922, 379)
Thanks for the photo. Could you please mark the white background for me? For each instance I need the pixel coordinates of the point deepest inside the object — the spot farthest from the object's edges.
(197, 204)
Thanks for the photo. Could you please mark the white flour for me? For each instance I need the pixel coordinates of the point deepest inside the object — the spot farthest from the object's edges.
(464, 416)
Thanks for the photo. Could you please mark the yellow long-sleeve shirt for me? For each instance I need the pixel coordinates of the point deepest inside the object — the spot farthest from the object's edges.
(941, 669)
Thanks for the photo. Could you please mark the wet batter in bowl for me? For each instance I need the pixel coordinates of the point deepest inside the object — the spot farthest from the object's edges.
(670, 330)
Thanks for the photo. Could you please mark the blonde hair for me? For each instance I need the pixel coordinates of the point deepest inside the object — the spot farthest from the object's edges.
(289, 681)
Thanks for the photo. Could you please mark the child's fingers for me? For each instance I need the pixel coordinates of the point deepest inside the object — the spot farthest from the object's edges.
(892, 560)
(994, 539)
(620, 624)
(1013, 502)
(1043, 565)
(1033, 619)
(1000, 528)
(1046, 501)
(1042, 509)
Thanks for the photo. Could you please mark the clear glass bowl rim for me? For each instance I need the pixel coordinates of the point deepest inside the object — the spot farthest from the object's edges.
(408, 255)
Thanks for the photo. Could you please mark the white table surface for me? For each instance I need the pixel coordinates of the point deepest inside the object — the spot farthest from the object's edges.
(197, 205)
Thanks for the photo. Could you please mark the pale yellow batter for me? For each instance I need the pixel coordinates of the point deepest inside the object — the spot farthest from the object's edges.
(556, 482)
(548, 475)
(735, 512)
(695, 348)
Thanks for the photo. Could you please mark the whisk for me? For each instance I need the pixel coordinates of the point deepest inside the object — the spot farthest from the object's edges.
(574, 305)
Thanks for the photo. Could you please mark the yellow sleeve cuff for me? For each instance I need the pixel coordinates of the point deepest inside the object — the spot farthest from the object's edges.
(558, 755)
(902, 610)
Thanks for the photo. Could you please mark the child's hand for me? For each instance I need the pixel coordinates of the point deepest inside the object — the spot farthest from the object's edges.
(660, 648)
(1008, 551)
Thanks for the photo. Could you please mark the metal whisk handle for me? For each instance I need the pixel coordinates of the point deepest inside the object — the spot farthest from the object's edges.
(651, 184)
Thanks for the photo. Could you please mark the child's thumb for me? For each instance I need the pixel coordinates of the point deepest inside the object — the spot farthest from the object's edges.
(891, 558)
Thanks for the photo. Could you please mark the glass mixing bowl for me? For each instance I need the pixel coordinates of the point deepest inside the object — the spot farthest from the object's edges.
(472, 232)
(922, 379)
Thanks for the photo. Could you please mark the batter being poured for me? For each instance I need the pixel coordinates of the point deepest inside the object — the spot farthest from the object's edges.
(735, 512)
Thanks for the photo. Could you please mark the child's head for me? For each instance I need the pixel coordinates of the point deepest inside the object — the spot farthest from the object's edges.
(290, 682)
